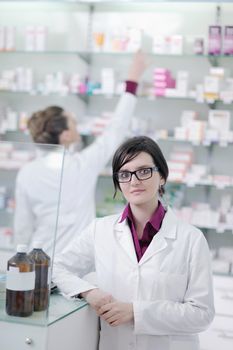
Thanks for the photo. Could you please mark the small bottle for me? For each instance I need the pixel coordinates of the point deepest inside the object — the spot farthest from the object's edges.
(20, 284)
(42, 269)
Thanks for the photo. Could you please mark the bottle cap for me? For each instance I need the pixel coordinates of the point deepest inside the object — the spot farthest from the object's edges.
(37, 244)
(21, 248)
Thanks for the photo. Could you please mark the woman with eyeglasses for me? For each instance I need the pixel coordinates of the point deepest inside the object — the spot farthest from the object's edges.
(154, 285)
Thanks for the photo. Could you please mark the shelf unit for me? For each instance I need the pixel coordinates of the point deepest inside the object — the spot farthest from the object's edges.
(70, 47)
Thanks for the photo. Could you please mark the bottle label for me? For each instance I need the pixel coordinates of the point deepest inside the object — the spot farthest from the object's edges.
(20, 281)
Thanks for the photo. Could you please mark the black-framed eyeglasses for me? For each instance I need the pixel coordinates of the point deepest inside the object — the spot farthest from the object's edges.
(141, 174)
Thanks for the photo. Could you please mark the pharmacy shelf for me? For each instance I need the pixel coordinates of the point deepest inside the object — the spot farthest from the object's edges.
(170, 139)
(85, 54)
(98, 94)
(196, 143)
(153, 98)
(83, 97)
(203, 143)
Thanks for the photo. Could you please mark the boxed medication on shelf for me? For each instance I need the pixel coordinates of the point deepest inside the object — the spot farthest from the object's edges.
(219, 72)
(40, 39)
(7, 38)
(107, 81)
(187, 117)
(30, 38)
(2, 38)
(181, 133)
(219, 120)
(176, 45)
(222, 181)
(204, 216)
(215, 40)
(211, 135)
(35, 38)
(212, 87)
(198, 46)
(228, 40)
(170, 45)
(182, 156)
(162, 80)
(177, 171)
(134, 39)
(226, 96)
(10, 38)
(196, 130)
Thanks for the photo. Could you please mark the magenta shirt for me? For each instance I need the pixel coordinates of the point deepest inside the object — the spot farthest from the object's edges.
(150, 229)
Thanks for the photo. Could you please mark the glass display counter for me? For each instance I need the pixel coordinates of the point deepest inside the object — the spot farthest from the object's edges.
(68, 324)
(30, 186)
(59, 308)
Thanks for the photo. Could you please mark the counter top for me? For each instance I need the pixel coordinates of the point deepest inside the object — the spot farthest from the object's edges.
(59, 308)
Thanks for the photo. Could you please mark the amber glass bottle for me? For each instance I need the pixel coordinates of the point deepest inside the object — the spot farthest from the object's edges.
(20, 284)
(42, 269)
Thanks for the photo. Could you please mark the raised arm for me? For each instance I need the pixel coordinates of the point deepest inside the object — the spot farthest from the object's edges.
(97, 155)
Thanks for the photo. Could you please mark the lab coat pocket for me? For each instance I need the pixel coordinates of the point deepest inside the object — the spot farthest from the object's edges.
(171, 286)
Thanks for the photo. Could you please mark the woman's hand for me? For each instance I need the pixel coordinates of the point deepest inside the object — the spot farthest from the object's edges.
(139, 63)
(116, 313)
(97, 298)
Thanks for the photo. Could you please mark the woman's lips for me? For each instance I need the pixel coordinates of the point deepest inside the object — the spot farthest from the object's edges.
(137, 191)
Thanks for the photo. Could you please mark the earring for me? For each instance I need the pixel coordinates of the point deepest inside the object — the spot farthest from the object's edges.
(161, 190)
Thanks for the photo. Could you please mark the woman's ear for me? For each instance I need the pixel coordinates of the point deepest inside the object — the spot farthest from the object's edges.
(162, 181)
(64, 138)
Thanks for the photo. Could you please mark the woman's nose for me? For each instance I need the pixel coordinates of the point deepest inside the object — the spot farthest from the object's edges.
(134, 179)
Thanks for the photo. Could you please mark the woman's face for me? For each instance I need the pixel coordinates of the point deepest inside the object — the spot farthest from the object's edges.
(140, 192)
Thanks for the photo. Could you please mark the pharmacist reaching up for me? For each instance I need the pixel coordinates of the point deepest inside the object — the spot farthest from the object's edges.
(37, 187)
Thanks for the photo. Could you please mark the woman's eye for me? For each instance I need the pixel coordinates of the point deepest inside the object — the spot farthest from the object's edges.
(144, 171)
(124, 175)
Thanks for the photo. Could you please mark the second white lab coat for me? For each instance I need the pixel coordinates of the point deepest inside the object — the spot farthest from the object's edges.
(170, 287)
(38, 186)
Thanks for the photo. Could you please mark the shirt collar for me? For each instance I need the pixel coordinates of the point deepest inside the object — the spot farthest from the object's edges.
(155, 220)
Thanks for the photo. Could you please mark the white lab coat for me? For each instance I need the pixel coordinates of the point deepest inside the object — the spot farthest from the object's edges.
(37, 186)
(170, 287)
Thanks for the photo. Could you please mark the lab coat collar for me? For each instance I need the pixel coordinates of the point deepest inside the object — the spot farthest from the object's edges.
(124, 237)
(159, 242)
(168, 230)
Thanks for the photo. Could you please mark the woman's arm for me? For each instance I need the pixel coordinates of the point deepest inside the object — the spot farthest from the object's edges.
(75, 261)
(96, 156)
